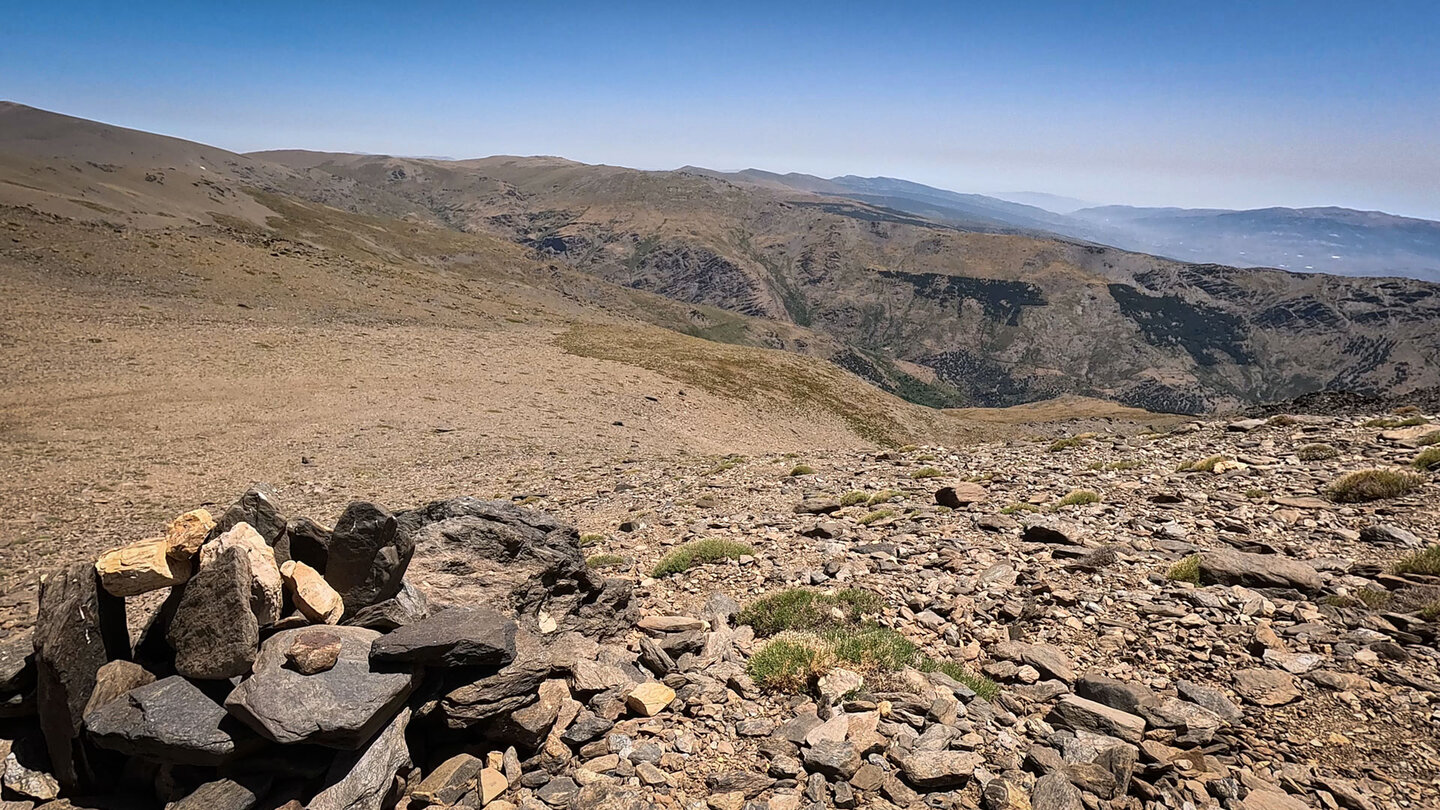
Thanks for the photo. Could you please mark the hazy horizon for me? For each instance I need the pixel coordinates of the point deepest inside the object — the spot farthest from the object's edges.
(1221, 106)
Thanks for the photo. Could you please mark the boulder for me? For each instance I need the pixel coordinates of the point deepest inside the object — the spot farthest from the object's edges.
(260, 508)
(367, 556)
(170, 720)
(186, 534)
(78, 627)
(1212, 699)
(1048, 529)
(1053, 791)
(406, 607)
(1075, 712)
(454, 637)
(341, 707)
(267, 587)
(17, 661)
(1047, 659)
(360, 781)
(1228, 567)
(961, 495)
(214, 631)
(526, 562)
(1125, 696)
(311, 594)
(934, 770)
(837, 759)
(147, 565)
(25, 770)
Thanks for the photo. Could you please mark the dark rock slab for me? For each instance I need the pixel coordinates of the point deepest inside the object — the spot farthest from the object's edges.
(359, 781)
(367, 556)
(525, 561)
(260, 507)
(304, 541)
(1227, 567)
(341, 707)
(408, 606)
(240, 793)
(171, 720)
(454, 637)
(1123, 695)
(78, 627)
(490, 696)
(214, 632)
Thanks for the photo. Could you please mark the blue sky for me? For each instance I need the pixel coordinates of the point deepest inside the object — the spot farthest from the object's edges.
(1198, 104)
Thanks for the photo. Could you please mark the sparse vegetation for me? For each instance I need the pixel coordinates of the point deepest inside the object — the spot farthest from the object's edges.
(805, 609)
(979, 684)
(1426, 561)
(801, 469)
(854, 497)
(699, 552)
(1203, 465)
(1429, 439)
(1316, 452)
(1388, 423)
(1079, 497)
(878, 514)
(726, 463)
(1187, 570)
(873, 648)
(1372, 485)
(1020, 506)
(1282, 420)
(883, 496)
(1428, 459)
(1257, 494)
(590, 539)
(926, 472)
(791, 662)
(1372, 598)
(606, 561)
(1071, 442)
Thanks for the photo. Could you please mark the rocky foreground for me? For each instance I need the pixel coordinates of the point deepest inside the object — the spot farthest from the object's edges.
(1211, 617)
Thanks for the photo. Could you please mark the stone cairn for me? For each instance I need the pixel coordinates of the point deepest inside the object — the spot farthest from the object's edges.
(291, 665)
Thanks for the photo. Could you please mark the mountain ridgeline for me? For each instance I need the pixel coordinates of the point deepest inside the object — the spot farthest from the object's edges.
(944, 299)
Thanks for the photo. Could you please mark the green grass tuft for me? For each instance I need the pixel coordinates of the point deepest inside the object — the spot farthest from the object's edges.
(878, 514)
(1316, 452)
(883, 496)
(1257, 494)
(1282, 420)
(699, 552)
(926, 472)
(590, 539)
(606, 561)
(805, 609)
(1429, 439)
(872, 648)
(1071, 442)
(1203, 465)
(1078, 497)
(1372, 485)
(1019, 506)
(1429, 459)
(791, 662)
(1426, 561)
(1187, 570)
(801, 469)
(853, 497)
(1387, 423)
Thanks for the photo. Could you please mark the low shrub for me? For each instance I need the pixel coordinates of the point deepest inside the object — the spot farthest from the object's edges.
(801, 469)
(791, 662)
(1019, 506)
(1387, 423)
(1372, 485)
(1429, 439)
(853, 497)
(1316, 452)
(1071, 442)
(1426, 561)
(590, 539)
(1429, 458)
(1282, 420)
(1187, 570)
(805, 609)
(1078, 497)
(699, 552)
(873, 648)
(878, 514)
(1203, 465)
(1257, 494)
(606, 561)
(883, 496)
(926, 472)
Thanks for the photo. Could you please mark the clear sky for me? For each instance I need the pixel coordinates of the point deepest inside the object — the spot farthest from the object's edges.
(1218, 103)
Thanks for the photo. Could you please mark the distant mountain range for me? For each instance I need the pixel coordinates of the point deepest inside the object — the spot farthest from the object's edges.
(1340, 241)
(944, 299)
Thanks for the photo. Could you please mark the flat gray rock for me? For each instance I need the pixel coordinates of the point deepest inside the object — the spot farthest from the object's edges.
(454, 637)
(341, 707)
(171, 721)
(1227, 567)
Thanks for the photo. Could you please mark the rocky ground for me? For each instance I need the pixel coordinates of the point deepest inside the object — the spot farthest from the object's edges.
(1235, 635)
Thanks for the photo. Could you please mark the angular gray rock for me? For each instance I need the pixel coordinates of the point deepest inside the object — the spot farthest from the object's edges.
(1125, 696)
(526, 561)
(1212, 699)
(17, 662)
(1228, 567)
(834, 758)
(360, 781)
(341, 707)
(1046, 658)
(239, 793)
(367, 556)
(1054, 792)
(171, 721)
(934, 770)
(490, 698)
(454, 637)
(260, 507)
(78, 627)
(408, 606)
(214, 633)
(1076, 712)
(1047, 529)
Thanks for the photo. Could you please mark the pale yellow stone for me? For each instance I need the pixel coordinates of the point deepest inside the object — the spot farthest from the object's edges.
(267, 597)
(186, 534)
(649, 699)
(142, 567)
(492, 784)
(311, 593)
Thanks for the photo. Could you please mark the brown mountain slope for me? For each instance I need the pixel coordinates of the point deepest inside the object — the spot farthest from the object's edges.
(976, 318)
